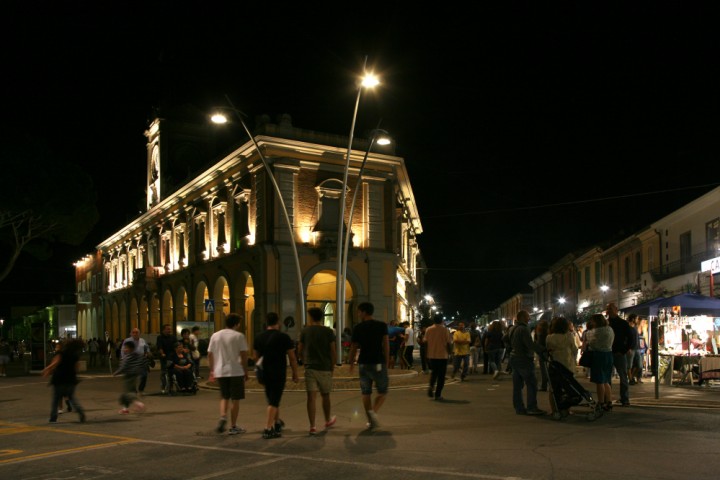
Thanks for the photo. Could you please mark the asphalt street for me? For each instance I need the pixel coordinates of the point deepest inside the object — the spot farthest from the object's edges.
(474, 433)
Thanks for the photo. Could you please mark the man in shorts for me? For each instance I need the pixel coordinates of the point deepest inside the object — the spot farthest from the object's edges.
(319, 354)
(371, 337)
(228, 361)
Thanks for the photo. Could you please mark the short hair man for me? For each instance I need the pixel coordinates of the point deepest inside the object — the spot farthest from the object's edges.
(227, 357)
(165, 342)
(275, 347)
(522, 361)
(371, 337)
(318, 351)
(438, 343)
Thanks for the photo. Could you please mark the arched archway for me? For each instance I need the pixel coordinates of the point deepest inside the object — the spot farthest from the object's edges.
(154, 312)
(321, 293)
(114, 323)
(143, 317)
(166, 311)
(134, 314)
(181, 305)
(221, 295)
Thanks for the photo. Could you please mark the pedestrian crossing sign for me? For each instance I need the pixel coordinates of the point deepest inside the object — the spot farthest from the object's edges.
(210, 305)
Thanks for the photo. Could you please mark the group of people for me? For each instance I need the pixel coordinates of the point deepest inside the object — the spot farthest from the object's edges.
(228, 355)
(612, 340)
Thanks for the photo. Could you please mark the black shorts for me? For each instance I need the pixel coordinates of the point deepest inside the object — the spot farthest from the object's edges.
(232, 388)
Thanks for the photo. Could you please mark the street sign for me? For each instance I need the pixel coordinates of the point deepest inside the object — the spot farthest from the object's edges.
(210, 305)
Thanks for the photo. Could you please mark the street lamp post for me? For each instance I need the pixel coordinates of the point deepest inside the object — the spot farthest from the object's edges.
(561, 301)
(380, 137)
(368, 81)
(604, 289)
(220, 118)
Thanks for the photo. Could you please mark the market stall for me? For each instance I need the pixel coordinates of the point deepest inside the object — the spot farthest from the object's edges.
(686, 330)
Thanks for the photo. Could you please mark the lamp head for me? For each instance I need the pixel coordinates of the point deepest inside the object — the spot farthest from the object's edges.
(370, 80)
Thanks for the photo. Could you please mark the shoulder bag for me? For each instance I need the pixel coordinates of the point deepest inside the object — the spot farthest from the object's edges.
(586, 358)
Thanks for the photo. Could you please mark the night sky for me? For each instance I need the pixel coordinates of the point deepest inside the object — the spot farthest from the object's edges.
(527, 133)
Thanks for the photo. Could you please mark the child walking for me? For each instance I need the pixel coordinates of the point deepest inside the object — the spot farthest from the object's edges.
(132, 366)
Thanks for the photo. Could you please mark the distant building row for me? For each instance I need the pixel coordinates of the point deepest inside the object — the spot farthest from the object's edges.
(676, 254)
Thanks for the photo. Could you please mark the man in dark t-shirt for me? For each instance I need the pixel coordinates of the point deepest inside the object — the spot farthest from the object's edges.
(275, 347)
(318, 352)
(371, 337)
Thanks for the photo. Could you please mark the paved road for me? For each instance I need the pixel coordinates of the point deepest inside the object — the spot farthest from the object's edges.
(474, 434)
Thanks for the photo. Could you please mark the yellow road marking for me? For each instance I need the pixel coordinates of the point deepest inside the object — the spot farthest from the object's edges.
(10, 428)
(9, 452)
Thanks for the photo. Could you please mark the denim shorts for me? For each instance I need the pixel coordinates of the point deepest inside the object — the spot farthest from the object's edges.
(370, 373)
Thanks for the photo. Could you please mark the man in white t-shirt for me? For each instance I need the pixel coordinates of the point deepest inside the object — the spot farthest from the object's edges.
(409, 344)
(227, 357)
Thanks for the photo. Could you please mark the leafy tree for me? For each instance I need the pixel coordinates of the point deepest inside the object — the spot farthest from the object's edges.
(43, 201)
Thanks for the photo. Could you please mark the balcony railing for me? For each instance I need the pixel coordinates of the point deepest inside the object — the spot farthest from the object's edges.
(681, 267)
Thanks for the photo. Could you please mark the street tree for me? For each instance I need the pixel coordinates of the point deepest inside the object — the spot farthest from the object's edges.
(43, 201)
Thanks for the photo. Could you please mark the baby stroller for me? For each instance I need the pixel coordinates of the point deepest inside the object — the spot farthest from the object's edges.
(566, 391)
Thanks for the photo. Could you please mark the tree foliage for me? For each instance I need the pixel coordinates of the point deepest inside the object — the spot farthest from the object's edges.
(43, 200)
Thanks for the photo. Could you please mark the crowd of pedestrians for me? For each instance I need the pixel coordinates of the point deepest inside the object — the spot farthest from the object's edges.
(518, 351)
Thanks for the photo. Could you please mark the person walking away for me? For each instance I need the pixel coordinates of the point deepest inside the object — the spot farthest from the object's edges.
(461, 351)
(494, 347)
(439, 344)
(523, 365)
(142, 349)
(541, 333)
(475, 347)
(370, 336)
(409, 345)
(63, 369)
(93, 352)
(622, 344)
(132, 365)
(227, 359)
(423, 348)
(599, 339)
(395, 337)
(275, 348)
(319, 354)
(165, 346)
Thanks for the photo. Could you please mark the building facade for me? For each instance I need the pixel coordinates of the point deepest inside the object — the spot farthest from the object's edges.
(218, 242)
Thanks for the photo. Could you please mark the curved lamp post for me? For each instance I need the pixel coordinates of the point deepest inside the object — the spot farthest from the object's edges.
(219, 118)
(368, 81)
(381, 138)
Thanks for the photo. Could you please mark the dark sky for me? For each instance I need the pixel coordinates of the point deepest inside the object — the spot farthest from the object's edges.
(527, 133)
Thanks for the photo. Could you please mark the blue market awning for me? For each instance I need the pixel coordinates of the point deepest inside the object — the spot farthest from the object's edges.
(690, 304)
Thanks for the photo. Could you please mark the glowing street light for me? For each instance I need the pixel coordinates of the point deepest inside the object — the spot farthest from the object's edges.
(604, 289)
(368, 81)
(219, 118)
(561, 301)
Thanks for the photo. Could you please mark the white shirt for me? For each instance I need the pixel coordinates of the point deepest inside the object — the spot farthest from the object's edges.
(225, 346)
(409, 337)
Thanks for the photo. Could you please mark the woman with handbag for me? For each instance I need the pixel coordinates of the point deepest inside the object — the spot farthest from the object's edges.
(598, 340)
